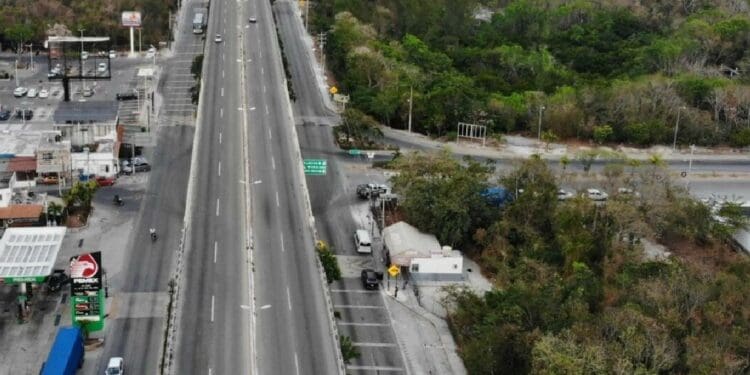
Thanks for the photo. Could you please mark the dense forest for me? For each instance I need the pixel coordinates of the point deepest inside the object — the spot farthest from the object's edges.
(611, 71)
(575, 291)
(28, 21)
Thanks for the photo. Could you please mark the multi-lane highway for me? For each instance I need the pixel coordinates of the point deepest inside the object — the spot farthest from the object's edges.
(252, 299)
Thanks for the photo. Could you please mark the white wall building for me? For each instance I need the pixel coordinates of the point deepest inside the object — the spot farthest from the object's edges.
(100, 162)
(422, 254)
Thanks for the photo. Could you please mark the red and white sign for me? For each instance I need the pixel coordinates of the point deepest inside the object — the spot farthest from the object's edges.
(84, 266)
(131, 19)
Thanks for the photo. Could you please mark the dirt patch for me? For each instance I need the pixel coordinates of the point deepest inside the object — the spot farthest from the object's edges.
(708, 258)
(77, 218)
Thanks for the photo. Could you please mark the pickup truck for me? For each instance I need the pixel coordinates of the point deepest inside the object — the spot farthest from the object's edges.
(66, 355)
(366, 191)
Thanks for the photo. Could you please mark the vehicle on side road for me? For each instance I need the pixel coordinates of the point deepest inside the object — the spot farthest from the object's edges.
(199, 22)
(66, 355)
(115, 366)
(43, 94)
(20, 91)
(369, 279)
(32, 93)
(127, 95)
(596, 195)
(84, 55)
(102, 181)
(4, 114)
(362, 241)
(218, 39)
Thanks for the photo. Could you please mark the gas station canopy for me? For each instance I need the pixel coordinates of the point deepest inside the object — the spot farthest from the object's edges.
(29, 254)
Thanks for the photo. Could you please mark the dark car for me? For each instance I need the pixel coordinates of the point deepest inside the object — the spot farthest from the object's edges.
(127, 96)
(27, 114)
(4, 114)
(369, 279)
(367, 191)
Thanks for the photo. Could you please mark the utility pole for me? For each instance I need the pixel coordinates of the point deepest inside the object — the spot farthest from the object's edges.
(307, 14)
(676, 128)
(322, 42)
(31, 55)
(411, 99)
(83, 81)
(140, 45)
(690, 168)
(16, 75)
(539, 131)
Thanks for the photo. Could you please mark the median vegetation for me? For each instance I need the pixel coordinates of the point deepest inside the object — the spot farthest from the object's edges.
(607, 71)
(196, 69)
(578, 286)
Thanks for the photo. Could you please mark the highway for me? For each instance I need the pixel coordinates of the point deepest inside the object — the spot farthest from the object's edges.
(252, 299)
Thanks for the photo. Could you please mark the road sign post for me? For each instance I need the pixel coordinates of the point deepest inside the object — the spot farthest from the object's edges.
(315, 167)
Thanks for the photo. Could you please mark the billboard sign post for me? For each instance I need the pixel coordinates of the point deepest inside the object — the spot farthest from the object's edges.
(87, 300)
(131, 20)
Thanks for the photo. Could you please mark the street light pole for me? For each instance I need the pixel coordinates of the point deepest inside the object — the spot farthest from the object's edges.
(690, 167)
(16, 72)
(411, 99)
(82, 73)
(676, 128)
(539, 131)
(31, 56)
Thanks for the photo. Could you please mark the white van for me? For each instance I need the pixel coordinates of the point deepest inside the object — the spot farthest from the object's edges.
(362, 241)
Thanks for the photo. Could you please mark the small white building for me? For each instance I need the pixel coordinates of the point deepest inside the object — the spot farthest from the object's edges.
(101, 161)
(422, 254)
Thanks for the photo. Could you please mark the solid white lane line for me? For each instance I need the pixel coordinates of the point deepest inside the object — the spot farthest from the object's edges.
(277, 199)
(209, 371)
(282, 243)
(212, 309)
(217, 206)
(269, 134)
(269, 129)
(264, 88)
(288, 298)
(261, 71)
(216, 248)
(296, 363)
(221, 112)
(222, 73)
(222, 57)
(222, 91)
(219, 168)
(273, 163)
(219, 137)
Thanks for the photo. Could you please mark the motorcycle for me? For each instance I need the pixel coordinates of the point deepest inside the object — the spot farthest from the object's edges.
(153, 237)
(118, 201)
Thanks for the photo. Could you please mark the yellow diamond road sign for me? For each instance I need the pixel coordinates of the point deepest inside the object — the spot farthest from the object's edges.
(333, 90)
(394, 270)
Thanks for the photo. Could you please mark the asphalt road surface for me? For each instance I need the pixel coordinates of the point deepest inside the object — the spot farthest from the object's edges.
(245, 105)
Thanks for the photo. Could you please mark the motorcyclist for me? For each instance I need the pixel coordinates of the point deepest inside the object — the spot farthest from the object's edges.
(152, 232)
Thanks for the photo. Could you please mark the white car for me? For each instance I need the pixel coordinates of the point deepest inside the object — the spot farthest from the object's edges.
(218, 39)
(32, 93)
(101, 68)
(114, 366)
(564, 195)
(596, 195)
(151, 52)
(20, 91)
(112, 54)
(84, 55)
(43, 94)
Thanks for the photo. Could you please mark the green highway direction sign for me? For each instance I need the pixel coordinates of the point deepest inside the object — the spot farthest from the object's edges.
(315, 167)
(355, 152)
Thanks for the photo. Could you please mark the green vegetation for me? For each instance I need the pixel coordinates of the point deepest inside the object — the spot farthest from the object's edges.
(609, 71)
(574, 291)
(348, 350)
(329, 262)
(28, 21)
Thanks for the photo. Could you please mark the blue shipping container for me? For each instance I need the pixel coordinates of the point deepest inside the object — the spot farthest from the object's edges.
(66, 355)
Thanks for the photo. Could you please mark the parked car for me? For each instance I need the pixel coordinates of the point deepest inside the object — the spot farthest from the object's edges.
(628, 192)
(101, 68)
(366, 191)
(4, 114)
(55, 72)
(105, 181)
(26, 114)
(596, 195)
(369, 279)
(49, 180)
(112, 54)
(32, 93)
(114, 366)
(140, 164)
(564, 195)
(88, 92)
(127, 95)
(84, 55)
(218, 39)
(43, 94)
(20, 91)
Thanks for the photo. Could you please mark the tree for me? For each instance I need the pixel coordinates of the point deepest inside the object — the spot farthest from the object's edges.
(442, 196)
(329, 262)
(19, 33)
(348, 350)
(602, 133)
(80, 195)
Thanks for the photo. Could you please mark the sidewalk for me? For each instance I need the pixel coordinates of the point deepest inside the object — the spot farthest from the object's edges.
(520, 147)
(424, 339)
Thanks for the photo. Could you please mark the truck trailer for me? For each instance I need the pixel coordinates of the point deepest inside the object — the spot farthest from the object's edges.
(66, 355)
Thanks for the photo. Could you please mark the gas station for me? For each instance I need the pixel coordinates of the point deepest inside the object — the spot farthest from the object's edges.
(27, 259)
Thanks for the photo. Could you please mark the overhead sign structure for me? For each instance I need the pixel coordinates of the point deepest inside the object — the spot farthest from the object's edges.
(315, 167)
(87, 300)
(131, 19)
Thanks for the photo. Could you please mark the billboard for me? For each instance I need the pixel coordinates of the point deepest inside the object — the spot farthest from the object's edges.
(131, 19)
(86, 273)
